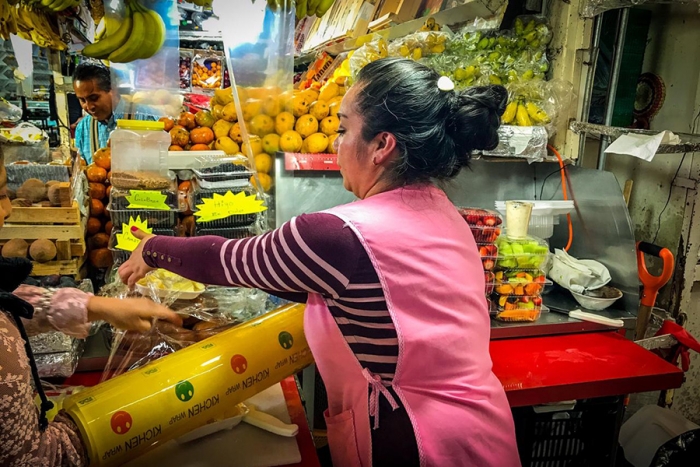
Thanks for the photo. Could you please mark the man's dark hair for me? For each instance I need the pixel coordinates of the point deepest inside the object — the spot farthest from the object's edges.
(88, 71)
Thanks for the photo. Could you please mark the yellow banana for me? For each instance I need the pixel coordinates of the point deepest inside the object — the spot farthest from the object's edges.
(301, 9)
(311, 7)
(109, 44)
(537, 114)
(323, 7)
(101, 29)
(155, 25)
(522, 117)
(131, 49)
(509, 114)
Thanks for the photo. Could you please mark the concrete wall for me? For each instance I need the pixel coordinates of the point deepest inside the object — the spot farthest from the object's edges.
(673, 53)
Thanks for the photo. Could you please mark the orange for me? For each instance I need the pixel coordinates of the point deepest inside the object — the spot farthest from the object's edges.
(187, 120)
(263, 163)
(265, 181)
(200, 147)
(331, 144)
(175, 147)
(108, 227)
(252, 108)
(97, 190)
(254, 145)
(262, 125)
(96, 174)
(235, 133)
(298, 105)
(319, 110)
(284, 122)
(290, 141)
(94, 225)
(103, 158)
(329, 125)
(316, 143)
(96, 208)
(179, 136)
(169, 123)
(306, 125)
(203, 135)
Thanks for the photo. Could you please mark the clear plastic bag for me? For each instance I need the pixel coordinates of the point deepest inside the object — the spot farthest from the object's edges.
(377, 47)
(204, 314)
(260, 62)
(419, 45)
(538, 103)
(150, 88)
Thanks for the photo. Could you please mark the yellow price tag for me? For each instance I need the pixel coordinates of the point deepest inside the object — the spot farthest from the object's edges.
(139, 199)
(223, 206)
(126, 240)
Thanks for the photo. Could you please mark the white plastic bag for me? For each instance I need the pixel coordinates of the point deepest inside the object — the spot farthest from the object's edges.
(577, 275)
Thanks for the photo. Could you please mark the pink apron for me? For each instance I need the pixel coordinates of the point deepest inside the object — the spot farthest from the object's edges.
(435, 296)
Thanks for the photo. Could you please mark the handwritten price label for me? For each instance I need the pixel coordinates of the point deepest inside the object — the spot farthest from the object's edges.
(126, 240)
(147, 200)
(223, 206)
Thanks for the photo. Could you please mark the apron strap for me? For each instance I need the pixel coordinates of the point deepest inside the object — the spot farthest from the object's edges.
(94, 136)
(377, 388)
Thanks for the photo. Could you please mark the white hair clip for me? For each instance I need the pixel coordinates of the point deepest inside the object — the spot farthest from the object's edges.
(445, 84)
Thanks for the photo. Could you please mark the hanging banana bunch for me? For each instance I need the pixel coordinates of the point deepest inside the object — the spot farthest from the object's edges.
(305, 8)
(30, 22)
(140, 35)
(57, 5)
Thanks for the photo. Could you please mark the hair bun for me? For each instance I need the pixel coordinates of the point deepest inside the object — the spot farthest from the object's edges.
(476, 116)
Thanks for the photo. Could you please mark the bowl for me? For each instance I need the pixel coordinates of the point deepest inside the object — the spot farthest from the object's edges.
(598, 299)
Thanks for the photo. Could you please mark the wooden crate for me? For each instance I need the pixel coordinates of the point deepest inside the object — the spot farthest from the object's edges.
(64, 225)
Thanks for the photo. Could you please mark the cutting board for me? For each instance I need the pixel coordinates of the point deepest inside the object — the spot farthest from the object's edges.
(241, 446)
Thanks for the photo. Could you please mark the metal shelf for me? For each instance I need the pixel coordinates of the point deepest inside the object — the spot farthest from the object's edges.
(689, 142)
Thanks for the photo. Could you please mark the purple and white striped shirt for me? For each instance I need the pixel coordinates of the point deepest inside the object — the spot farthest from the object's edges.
(312, 253)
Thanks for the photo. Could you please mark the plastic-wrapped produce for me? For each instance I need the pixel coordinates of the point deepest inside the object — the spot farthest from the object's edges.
(591, 8)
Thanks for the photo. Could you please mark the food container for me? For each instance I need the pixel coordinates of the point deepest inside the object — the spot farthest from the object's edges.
(489, 255)
(517, 302)
(120, 199)
(207, 69)
(526, 253)
(490, 281)
(140, 155)
(230, 171)
(484, 224)
(518, 316)
(598, 299)
(545, 215)
(166, 284)
(236, 220)
(519, 283)
(155, 219)
(518, 218)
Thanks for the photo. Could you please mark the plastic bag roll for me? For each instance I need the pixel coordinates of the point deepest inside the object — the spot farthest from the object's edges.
(127, 416)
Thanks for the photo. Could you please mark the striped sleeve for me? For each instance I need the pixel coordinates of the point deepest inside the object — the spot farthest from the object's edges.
(310, 253)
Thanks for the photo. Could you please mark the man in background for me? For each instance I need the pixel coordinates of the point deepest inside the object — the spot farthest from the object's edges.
(103, 105)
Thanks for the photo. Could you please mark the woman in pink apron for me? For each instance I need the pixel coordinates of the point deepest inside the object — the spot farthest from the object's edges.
(396, 316)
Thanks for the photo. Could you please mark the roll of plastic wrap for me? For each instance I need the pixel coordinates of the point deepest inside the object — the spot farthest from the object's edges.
(126, 416)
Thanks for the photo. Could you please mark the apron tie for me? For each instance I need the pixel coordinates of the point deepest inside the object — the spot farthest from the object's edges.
(377, 388)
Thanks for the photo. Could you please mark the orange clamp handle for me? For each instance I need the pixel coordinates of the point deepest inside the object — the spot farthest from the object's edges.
(652, 283)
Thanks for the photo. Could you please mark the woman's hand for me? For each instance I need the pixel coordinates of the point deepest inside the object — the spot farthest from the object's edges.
(135, 267)
(131, 314)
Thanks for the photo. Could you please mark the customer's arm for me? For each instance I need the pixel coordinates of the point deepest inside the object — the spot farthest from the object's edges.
(21, 441)
(311, 253)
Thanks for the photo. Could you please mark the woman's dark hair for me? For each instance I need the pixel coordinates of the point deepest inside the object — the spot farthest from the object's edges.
(88, 71)
(436, 131)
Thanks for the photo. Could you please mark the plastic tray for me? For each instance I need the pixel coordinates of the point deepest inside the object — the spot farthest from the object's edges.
(489, 278)
(118, 200)
(489, 255)
(155, 219)
(520, 283)
(516, 302)
(237, 220)
(228, 170)
(519, 316)
(528, 253)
